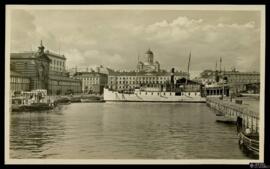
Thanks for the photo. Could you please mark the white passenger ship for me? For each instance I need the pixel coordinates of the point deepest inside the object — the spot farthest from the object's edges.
(183, 90)
(152, 96)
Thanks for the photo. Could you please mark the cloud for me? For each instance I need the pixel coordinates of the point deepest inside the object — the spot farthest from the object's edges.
(116, 38)
(92, 57)
(207, 42)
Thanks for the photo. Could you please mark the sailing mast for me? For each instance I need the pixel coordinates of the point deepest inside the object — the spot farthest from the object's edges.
(188, 65)
(138, 60)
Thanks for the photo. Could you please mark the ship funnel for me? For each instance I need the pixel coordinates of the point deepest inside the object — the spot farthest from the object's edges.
(172, 76)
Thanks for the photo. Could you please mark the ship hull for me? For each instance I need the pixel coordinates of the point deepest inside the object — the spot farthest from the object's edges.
(114, 96)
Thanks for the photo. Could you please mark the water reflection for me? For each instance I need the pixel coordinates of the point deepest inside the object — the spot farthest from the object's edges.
(123, 131)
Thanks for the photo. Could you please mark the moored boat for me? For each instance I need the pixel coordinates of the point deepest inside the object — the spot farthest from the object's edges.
(62, 101)
(220, 117)
(32, 107)
(249, 143)
(183, 90)
(91, 100)
(34, 100)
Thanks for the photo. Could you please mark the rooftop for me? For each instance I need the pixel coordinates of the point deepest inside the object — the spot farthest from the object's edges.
(134, 73)
(23, 55)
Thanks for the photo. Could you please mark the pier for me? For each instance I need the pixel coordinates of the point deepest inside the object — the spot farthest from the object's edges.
(246, 118)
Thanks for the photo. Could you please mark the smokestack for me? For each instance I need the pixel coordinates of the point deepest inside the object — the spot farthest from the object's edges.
(172, 76)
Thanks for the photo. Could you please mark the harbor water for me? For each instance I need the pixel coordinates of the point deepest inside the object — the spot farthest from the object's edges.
(123, 131)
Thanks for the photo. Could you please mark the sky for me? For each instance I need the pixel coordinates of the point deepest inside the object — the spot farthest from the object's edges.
(115, 38)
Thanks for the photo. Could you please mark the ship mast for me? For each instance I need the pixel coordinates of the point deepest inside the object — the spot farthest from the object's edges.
(188, 65)
(138, 60)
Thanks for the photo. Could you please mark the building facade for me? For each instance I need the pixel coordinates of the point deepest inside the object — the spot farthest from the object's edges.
(242, 81)
(57, 63)
(240, 77)
(45, 70)
(148, 74)
(92, 82)
(236, 81)
(130, 80)
(18, 82)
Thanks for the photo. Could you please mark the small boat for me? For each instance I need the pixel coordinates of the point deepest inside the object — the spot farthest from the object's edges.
(34, 100)
(87, 100)
(32, 107)
(249, 143)
(91, 101)
(220, 117)
(75, 99)
(63, 101)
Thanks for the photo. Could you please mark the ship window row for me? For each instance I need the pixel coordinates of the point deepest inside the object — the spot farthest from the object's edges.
(164, 93)
(167, 93)
(243, 80)
(138, 82)
(144, 78)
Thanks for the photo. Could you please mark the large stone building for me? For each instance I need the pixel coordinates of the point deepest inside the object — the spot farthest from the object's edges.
(240, 77)
(18, 82)
(45, 70)
(236, 81)
(92, 82)
(130, 80)
(241, 81)
(148, 73)
(236, 77)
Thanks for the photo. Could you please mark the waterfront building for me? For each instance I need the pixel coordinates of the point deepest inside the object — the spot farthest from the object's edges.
(58, 62)
(45, 70)
(240, 77)
(92, 82)
(235, 81)
(130, 80)
(148, 74)
(241, 81)
(18, 82)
